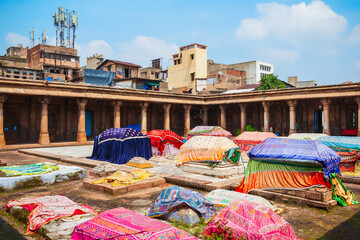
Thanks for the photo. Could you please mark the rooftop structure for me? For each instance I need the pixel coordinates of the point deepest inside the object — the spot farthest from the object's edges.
(58, 63)
(121, 69)
(189, 64)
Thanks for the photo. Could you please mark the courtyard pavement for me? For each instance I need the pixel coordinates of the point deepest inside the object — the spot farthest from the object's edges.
(307, 222)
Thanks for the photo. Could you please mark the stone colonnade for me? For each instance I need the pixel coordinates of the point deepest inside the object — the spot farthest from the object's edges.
(265, 115)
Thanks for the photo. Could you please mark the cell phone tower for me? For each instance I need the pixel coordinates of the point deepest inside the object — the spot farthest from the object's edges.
(65, 20)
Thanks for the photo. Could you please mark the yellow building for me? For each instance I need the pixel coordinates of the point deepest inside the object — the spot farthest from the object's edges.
(189, 66)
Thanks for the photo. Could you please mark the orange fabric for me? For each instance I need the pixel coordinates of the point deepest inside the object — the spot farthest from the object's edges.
(282, 179)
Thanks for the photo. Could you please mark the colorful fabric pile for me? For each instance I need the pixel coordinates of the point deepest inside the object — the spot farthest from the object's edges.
(209, 149)
(119, 145)
(119, 178)
(283, 163)
(123, 224)
(247, 140)
(222, 197)
(175, 197)
(347, 147)
(248, 220)
(307, 136)
(32, 169)
(165, 142)
(45, 209)
(209, 131)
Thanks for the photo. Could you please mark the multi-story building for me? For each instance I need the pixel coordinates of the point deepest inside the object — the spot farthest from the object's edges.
(254, 69)
(189, 65)
(121, 69)
(58, 63)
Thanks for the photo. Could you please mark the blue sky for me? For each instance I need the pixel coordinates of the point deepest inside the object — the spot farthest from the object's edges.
(315, 40)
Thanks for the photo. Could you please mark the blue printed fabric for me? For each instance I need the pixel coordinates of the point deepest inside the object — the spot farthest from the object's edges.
(173, 197)
(120, 145)
(341, 144)
(119, 134)
(297, 150)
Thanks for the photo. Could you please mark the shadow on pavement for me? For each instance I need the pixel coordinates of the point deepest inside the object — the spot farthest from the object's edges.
(8, 232)
(347, 230)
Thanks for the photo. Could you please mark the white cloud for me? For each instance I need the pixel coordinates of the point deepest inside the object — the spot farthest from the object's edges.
(13, 39)
(143, 49)
(294, 24)
(354, 36)
(94, 46)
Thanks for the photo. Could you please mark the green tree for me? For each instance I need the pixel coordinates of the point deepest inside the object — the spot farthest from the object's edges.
(270, 81)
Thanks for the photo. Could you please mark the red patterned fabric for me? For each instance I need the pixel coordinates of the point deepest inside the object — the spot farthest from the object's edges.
(247, 140)
(160, 137)
(45, 209)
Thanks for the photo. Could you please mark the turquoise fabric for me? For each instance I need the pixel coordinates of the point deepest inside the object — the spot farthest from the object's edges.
(341, 144)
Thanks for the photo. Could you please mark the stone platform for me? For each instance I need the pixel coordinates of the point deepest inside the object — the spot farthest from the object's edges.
(226, 170)
(317, 196)
(58, 229)
(65, 173)
(150, 182)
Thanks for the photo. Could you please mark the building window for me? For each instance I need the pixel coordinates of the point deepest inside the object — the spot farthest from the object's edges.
(175, 62)
(178, 61)
(192, 76)
(192, 56)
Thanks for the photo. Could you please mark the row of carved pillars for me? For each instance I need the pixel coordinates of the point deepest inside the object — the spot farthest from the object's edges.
(81, 134)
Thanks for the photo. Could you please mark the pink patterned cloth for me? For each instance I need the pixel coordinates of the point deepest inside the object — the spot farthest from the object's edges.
(209, 131)
(247, 140)
(247, 220)
(123, 224)
(45, 209)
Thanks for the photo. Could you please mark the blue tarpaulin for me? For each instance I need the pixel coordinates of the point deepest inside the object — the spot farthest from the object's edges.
(341, 144)
(297, 150)
(99, 77)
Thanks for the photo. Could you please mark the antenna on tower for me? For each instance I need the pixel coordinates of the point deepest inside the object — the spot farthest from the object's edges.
(44, 37)
(65, 20)
(32, 39)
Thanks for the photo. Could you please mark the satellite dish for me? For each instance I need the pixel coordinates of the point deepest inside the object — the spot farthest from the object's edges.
(170, 88)
(220, 72)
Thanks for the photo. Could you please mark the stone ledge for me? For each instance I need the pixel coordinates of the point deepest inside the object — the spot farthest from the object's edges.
(350, 179)
(289, 198)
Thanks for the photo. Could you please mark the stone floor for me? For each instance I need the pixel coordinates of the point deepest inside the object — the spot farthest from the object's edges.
(307, 222)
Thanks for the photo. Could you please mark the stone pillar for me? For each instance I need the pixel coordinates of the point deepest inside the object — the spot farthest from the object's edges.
(167, 107)
(144, 107)
(117, 116)
(266, 106)
(243, 116)
(81, 134)
(187, 109)
(357, 99)
(292, 116)
(222, 116)
(205, 115)
(326, 104)
(44, 129)
(2, 137)
(103, 117)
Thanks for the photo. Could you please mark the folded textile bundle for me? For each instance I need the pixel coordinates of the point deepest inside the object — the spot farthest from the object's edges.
(123, 224)
(173, 197)
(247, 220)
(31, 169)
(45, 209)
(209, 149)
(119, 178)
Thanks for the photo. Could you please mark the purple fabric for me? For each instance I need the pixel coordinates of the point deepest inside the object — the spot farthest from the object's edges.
(119, 134)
